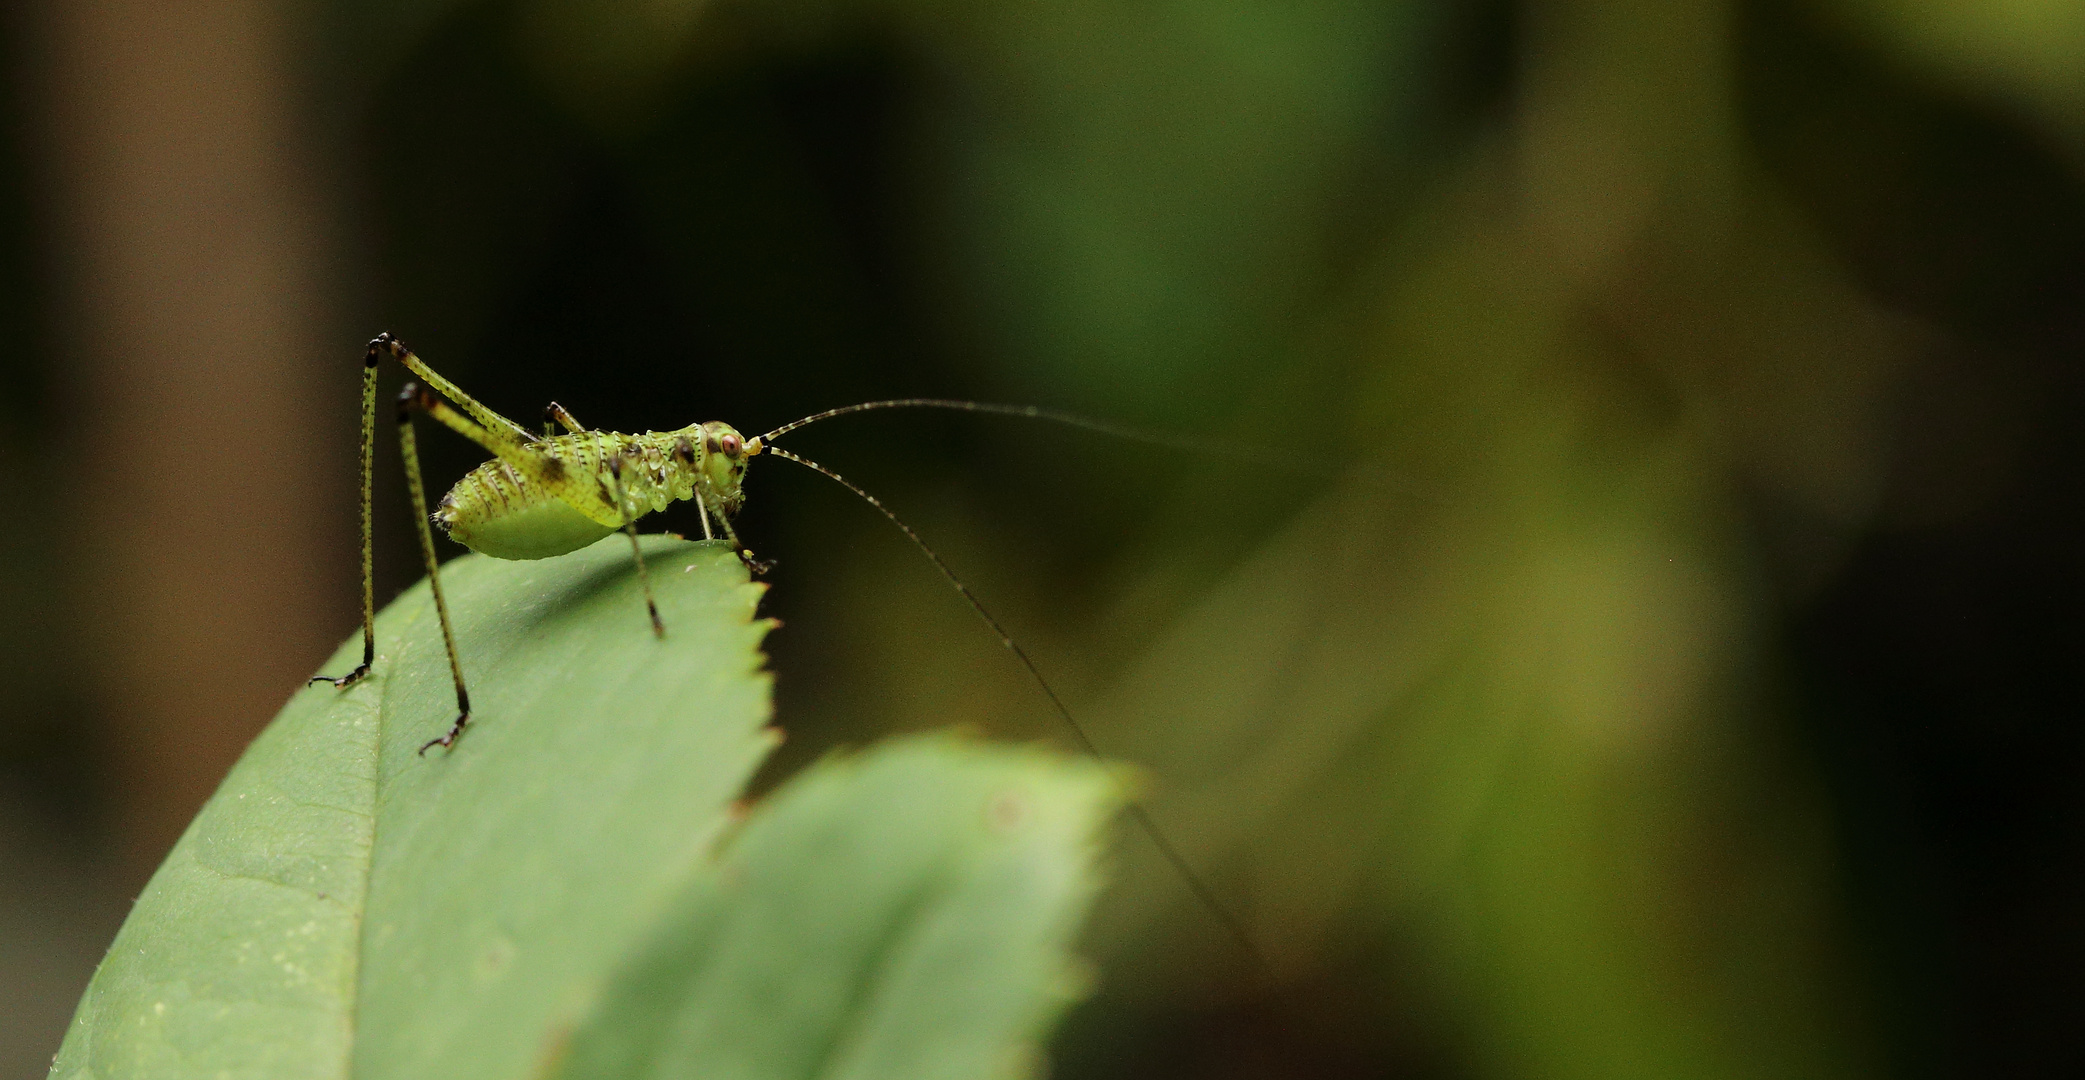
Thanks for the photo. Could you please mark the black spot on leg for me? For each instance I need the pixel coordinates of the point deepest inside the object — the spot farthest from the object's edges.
(553, 468)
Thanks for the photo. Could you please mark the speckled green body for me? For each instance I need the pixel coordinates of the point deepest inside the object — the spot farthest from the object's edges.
(557, 494)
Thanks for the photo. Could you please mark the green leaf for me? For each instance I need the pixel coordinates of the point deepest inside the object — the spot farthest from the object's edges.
(549, 896)
(341, 892)
(903, 915)
(508, 875)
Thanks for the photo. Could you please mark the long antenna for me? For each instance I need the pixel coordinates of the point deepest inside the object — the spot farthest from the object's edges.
(1142, 816)
(1032, 412)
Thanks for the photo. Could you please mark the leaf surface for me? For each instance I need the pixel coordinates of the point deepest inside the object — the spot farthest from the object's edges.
(569, 892)
(342, 893)
(900, 915)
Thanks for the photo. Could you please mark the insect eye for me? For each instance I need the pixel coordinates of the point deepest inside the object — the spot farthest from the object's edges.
(730, 443)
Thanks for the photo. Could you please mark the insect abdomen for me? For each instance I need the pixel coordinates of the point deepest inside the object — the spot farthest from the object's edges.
(498, 512)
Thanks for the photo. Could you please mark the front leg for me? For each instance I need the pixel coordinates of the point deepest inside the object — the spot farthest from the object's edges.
(754, 566)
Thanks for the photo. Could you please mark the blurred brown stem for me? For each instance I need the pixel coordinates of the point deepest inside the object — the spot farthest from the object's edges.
(189, 246)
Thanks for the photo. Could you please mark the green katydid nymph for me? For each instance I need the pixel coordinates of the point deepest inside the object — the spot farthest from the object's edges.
(544, 495)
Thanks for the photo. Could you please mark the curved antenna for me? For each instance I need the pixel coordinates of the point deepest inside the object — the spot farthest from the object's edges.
(1032, 412)
(1143, 817)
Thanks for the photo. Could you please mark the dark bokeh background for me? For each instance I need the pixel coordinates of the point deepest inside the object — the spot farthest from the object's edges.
(1638, 635)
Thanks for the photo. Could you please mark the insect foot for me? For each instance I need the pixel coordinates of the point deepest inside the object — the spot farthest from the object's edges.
(754, 566)
(341, 681)
(455, 730)
(449, 739)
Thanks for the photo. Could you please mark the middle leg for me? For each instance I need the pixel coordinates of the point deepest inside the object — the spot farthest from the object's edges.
(622, 503)
(555, 414)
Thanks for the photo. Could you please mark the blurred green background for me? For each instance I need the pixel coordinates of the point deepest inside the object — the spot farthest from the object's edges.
(1637, 636)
